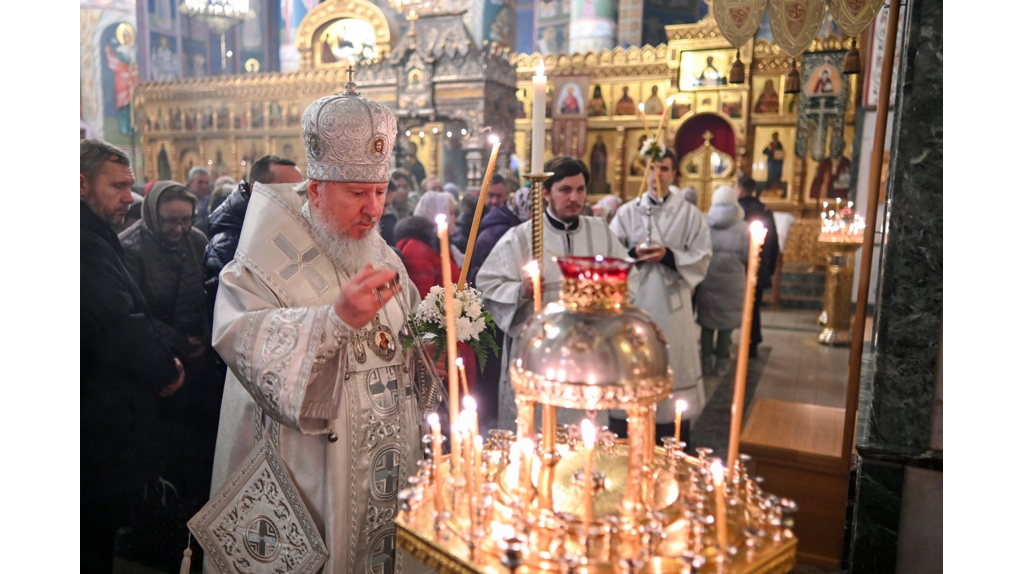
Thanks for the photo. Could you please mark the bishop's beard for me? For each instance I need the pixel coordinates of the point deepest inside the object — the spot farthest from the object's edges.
(347, 253)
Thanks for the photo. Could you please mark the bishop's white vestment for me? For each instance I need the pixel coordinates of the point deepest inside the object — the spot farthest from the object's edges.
(500, 281)
(665, 291)
(299, 373)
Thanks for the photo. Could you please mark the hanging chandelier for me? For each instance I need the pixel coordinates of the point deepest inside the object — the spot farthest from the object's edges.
(218, 15)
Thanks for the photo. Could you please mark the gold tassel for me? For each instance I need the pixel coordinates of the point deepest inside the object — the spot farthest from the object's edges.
(851, 63)
(736, 75)
(186, 557)
(792, 80)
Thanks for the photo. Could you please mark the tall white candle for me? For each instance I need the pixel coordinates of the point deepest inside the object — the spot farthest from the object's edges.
(540, 85)
(449, 316)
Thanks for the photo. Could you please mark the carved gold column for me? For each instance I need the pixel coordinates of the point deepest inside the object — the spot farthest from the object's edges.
(796, 192)
(620, 163)
(838, 291)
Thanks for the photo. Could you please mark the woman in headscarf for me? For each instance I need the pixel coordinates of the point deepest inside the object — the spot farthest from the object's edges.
(164, 255)
(607, 206)
(417, 241)
(420, 248)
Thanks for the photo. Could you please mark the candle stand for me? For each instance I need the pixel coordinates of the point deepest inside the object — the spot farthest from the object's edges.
(652, 509)
(838, 288)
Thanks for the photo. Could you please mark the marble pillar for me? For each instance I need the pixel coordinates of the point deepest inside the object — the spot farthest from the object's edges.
(898, 459)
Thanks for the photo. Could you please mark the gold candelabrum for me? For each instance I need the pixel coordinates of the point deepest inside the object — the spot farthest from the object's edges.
(842, 235)
(643, 508)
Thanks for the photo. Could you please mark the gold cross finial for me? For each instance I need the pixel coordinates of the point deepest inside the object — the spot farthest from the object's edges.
(351, 73)
(708, 137)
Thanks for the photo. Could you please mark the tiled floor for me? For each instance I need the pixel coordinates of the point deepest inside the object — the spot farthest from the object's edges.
(799, 369)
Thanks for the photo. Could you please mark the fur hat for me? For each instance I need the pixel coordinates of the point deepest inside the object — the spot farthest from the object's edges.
(724, 195)
(349, 138)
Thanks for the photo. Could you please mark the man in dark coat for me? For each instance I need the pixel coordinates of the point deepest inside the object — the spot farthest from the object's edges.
(769, 251)
(125, 365)
(496, 221)
(226, 220)
(497, 196)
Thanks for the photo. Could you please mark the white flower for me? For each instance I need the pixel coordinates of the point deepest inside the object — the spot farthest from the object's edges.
(645, 150)
(473, 310)
(463, 329)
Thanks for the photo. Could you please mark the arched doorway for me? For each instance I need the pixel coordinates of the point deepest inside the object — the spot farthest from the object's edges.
(706, 147)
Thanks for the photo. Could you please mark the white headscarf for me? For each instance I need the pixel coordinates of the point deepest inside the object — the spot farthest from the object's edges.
(607, 206)
(433, 203)
(520, 204)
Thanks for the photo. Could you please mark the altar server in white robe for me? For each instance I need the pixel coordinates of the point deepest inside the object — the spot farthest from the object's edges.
(508, 290)
(673, 267)
(308, 325)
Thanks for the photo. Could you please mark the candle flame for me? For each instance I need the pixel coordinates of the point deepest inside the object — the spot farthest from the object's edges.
(540, 70)
(532, 268)
(493, 139)
(469, 403)
(717, 472)
(670, 101)
(460, 363)
(681, 406)
(758, 231)
(441, 220)
(641, 106)
(526, 447)
(588, 432)
(434, 421)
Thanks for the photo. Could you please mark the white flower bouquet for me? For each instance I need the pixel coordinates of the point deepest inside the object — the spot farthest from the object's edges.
(653, 147)
(473, 325)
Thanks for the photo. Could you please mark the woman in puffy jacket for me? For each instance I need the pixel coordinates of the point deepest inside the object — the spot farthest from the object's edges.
(720, 297)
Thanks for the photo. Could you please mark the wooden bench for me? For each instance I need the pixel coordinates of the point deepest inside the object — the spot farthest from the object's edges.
(797, 449)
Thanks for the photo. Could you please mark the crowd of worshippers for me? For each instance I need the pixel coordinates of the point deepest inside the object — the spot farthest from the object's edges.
(152, 262)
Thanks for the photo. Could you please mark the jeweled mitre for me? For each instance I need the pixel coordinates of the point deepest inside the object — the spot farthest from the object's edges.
(348, 138)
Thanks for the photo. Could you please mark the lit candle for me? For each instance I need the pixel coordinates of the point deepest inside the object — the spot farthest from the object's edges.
(462, 376)
(469, 404)
(435, 432)
(589, 438)
(680, 408)
(449, 316)
(657, 138)
(540, 85)
(526, 448)
(469, 472)
(757, 235)
(480, 201)
(478, 459)
(533, 270)
(643, 116)
(717, 474)
(456, 439)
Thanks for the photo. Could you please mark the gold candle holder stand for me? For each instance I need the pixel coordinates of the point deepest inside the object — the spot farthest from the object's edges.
(835, 317)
